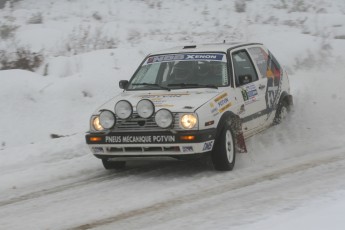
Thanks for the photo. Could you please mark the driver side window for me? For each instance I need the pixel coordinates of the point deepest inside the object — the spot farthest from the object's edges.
(243, 67)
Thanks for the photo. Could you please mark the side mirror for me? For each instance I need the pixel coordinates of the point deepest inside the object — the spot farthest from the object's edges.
(123, 84)
(244, 79)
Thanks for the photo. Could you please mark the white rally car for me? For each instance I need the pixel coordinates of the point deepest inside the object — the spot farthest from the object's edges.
(192, 100)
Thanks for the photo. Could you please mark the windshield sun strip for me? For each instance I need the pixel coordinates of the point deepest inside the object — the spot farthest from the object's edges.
(225, 55)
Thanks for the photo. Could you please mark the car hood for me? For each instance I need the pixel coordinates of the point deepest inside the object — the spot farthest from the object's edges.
(175, 100)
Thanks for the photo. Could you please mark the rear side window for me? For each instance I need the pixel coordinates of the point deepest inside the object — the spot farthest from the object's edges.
(243, 68)
(260, 57)
(266, 62)
(273, 66)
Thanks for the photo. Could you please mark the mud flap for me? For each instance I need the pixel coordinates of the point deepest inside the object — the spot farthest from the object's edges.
(240, 143)
(239, 138)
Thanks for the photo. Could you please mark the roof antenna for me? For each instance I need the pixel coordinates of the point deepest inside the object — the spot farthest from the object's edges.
(224, 41)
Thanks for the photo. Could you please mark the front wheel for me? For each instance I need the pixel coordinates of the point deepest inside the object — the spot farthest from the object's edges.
(108, 164)
(223, 154)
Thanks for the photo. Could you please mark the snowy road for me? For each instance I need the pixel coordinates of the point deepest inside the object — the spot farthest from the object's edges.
(287, 167)
(237, 201)
(178, 194)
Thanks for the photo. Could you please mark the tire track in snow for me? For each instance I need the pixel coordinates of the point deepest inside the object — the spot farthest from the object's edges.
(85, 182)
(53, 190)
(214, 191)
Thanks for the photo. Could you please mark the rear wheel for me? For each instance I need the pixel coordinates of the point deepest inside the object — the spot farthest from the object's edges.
(223, 154)
(108, 164)
(281, 112)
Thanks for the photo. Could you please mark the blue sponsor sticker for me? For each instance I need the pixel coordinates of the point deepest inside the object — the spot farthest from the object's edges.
(251, 89)
(186, 57)
(208, 146)
(187, 149)
(97, 150)
(249, 92)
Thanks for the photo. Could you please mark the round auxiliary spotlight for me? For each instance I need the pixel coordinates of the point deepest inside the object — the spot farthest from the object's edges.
(164, 118)
(145, 108)
(107, 119)
(123, 109)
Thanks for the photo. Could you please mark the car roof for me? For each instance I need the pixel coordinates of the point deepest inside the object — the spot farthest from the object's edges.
(215, 47)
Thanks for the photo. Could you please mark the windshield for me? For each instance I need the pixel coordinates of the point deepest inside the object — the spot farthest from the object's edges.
(184, 70)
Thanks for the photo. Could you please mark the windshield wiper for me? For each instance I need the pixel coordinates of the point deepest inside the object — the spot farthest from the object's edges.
(209, 86)
(152, 84)
(184, 85)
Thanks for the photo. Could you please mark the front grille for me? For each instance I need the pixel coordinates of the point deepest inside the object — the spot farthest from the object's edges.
(143, 149)
(137, 123)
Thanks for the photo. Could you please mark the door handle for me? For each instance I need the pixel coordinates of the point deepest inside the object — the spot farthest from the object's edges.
(262, 86)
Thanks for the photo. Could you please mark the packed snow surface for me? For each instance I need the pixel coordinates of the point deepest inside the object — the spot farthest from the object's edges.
(293, 176)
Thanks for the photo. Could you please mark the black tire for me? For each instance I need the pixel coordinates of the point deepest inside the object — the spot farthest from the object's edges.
(281, 112)
(108, 164)
(223, 154)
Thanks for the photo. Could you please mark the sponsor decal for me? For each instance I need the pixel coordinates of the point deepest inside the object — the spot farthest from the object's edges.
(140, 139)
(159, 96)
(220, 104)
(244, 94)
(162, 100)
(249, 93)
(220, 97)
(208, 146)
(97, 149)
(187, 149)
(274, 83)
(164, 105)
(185, 57)
(251, 90)
(225, 107)
(223, 102)
(204, 56)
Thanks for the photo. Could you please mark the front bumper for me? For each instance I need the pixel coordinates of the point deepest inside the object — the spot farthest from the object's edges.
(140, 144)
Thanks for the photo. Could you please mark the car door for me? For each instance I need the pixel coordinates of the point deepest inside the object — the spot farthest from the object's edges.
(252, 88)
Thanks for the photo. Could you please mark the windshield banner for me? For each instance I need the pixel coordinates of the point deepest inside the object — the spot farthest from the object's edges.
(186, 57)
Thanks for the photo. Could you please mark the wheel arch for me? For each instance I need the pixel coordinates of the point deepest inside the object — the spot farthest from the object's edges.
(236, 125)
(284, 100)
(285, 96)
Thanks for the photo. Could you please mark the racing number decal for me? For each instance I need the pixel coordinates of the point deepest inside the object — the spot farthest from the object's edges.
(273, 75)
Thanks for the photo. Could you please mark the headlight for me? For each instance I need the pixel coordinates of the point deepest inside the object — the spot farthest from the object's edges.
(123, 109)
(107, 119)
(164, 118)
(145, 108)
(188, 121)
(96, 124)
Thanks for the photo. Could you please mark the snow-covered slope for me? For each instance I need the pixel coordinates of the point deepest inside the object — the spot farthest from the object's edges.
(291, 172)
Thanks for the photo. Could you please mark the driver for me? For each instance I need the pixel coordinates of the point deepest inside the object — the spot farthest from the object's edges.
(182, 73)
